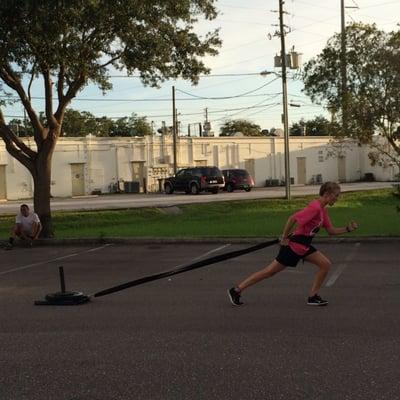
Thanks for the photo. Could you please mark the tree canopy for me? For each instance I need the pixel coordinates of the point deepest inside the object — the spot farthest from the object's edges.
(240, 125)
(373, 86)
(69, 44)
(131, 126)
(84, 123)
(318, 126)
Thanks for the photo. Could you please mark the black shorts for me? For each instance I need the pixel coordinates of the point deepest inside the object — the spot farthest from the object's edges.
(289, 258)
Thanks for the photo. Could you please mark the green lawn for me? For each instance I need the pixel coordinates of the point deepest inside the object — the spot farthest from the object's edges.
(375, 211)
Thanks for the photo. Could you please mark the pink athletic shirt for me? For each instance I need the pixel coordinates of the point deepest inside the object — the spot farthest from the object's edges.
(309, 220)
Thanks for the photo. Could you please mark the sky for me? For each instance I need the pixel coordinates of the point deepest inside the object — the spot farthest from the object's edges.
(247, 29)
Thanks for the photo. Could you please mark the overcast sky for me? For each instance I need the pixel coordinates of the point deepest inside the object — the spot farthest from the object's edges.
(246, 28)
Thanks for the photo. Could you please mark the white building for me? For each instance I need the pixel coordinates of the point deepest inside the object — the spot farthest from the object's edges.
(89, 165)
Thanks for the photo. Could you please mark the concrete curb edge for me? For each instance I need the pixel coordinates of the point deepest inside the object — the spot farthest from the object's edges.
(193, 240)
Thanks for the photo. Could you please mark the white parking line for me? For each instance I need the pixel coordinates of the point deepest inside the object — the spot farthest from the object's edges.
(53, 259)
(202, 255)
(211, 251)
(341, 267)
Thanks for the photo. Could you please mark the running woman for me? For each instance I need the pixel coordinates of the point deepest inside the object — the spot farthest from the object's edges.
(295, 243)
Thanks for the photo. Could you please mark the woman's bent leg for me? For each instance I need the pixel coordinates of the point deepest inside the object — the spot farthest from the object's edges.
(258, 276)
(324, 265)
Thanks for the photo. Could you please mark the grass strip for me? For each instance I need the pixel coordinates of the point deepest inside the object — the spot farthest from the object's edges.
(375, 211)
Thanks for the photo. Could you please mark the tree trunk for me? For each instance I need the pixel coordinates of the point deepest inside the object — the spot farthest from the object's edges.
(42, 182)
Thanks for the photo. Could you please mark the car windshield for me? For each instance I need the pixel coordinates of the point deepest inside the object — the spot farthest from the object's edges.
(181, 172)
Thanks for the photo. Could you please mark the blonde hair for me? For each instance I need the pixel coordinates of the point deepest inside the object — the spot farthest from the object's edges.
(328, 187)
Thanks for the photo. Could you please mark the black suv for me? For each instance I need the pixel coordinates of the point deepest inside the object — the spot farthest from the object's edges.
(237, 179)
(195, 180)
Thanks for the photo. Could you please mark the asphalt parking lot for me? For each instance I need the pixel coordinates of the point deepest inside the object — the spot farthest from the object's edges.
(180, 338)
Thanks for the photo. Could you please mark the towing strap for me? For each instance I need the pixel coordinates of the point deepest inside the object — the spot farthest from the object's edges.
(195, 265)
(302, 239)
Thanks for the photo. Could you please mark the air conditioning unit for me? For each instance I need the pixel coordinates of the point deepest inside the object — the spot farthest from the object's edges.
(131, 187)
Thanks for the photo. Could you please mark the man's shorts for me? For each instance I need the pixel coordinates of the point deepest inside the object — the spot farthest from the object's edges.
(25, 232)
(289, 258)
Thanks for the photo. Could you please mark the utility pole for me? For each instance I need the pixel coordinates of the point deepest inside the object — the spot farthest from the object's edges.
(285, 101)
(207, 125)
(174, 127)
(343, 69)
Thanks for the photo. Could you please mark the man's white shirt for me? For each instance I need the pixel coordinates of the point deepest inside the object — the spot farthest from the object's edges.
(27, 222)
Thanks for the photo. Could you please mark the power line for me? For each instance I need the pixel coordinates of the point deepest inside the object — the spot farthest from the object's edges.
(227, 97)
(241, 109)
(195, 98)
(241, 7)
(201, 76)
(257, 105)
(315, 5)
(382, 4)
(242, 22)
(265, 108)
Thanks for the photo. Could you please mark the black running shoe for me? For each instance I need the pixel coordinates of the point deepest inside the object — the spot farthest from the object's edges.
(316, 301)
(8, 246)
(234, 297)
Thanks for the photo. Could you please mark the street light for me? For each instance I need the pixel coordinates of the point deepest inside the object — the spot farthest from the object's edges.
(291, 61)
(285, 119)
(265, 73)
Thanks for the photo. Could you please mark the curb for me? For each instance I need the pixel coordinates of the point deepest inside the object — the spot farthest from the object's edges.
(205, 240)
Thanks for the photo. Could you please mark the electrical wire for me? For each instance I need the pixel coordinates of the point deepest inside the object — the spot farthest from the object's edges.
(236, 113)
(227, 97)
(149, 100)
(168, 115)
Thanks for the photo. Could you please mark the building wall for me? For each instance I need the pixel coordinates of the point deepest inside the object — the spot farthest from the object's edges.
(107, 163)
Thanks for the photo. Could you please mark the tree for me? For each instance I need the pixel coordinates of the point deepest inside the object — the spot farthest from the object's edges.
(76, 123)
(21, 128)
(242, 126)
(373, 100)
(319, 126)
(141, 127)
(69, 44)
(132, 126)
(298, 128)
(103, 126)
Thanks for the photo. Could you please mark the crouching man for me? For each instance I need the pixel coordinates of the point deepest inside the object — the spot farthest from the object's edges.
(27, 227)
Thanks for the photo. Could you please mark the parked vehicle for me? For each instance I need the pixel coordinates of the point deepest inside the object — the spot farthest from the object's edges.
(195, 180)
(237, 179)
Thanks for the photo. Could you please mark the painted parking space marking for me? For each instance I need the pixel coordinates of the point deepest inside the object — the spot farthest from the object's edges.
(53, 259)
(341, 267)
(211, 251)
(202, 255)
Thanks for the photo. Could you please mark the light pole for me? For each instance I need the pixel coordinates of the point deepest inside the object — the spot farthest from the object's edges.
(343, 68)
(285, 103)
(174, 130)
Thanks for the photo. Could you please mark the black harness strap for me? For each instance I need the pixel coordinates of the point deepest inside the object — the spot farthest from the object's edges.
(198, 264)
(301, 239)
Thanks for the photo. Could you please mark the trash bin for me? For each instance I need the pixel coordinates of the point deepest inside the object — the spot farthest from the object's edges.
(131, 187)
(272, 182)
(161, 184)
(369, 177)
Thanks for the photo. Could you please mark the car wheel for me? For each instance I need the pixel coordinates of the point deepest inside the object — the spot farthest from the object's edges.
(168, 188)
(194, 189)
(229, 188)
(214, 191)
(248, 189)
